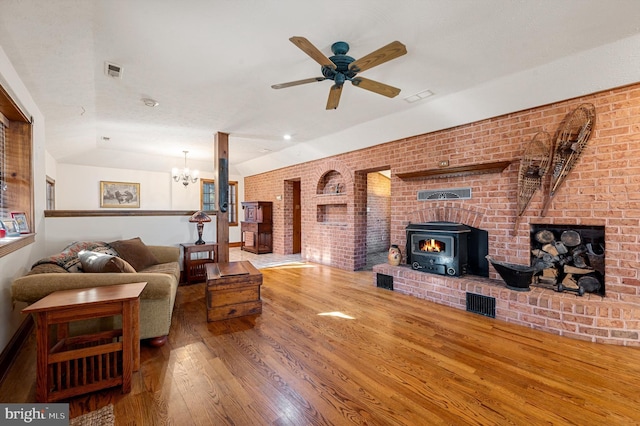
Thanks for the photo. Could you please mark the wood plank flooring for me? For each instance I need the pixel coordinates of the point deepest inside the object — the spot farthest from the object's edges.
(332, 349)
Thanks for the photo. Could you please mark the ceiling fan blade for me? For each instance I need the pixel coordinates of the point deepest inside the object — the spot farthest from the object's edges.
(308, 48)
(297, 82)
(380, 56)
(334, 96)
(376, 87)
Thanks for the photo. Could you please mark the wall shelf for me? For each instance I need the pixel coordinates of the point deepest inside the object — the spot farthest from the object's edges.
(115, 212)
(471, 169)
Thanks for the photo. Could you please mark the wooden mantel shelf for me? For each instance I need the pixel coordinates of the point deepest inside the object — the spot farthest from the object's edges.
(470, 169)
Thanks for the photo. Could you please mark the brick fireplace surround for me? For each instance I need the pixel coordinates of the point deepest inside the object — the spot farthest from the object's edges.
(602, 190)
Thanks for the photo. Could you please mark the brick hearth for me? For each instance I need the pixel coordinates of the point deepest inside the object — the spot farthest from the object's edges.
(590, 317)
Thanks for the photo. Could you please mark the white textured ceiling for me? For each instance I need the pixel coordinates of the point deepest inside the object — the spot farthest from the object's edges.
(210, 65)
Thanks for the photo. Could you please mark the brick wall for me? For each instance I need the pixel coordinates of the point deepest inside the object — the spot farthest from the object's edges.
(603, 189)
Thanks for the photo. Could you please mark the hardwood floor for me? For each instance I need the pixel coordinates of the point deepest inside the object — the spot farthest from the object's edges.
(332, 349)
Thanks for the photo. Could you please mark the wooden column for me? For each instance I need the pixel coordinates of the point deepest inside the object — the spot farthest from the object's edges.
(221, 175)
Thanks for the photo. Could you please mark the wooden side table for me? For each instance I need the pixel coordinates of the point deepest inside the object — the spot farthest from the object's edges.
(233, 290)
(194, 257)
(68, 366)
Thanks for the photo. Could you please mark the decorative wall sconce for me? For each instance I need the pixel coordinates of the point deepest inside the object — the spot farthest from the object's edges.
(186, 176)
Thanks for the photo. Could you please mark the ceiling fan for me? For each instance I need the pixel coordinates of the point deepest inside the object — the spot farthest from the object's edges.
(340, 68)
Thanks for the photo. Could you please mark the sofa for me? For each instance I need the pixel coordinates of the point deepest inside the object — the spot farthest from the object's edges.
(95, 264)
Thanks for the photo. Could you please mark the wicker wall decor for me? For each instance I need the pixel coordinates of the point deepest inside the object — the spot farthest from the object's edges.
(534, 165)
(573, 135)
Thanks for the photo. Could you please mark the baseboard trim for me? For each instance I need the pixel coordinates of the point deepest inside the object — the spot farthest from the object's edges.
(238, 244)
(10, 353)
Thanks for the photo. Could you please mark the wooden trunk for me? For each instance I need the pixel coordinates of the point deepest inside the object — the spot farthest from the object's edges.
(233, 290)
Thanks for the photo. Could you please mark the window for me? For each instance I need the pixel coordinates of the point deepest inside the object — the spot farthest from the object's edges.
(16, 186)
(51, 194)
(208, 196)
(3, 166)
(208, 199)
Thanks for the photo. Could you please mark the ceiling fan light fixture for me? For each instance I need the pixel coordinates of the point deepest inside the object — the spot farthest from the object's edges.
(340, 68)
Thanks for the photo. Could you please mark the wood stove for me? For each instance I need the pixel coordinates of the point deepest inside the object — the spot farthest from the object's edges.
(438, 247)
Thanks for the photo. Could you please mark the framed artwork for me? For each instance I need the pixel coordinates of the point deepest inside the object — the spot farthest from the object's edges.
(21, 221)
(119, 194)
(11, 227)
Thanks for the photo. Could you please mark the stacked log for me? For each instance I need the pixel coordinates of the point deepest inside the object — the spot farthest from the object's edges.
(567, 264)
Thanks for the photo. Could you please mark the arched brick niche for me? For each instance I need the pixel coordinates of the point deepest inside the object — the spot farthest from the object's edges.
(332, 182)
(332, 177)
(332, 228)
(332, 201)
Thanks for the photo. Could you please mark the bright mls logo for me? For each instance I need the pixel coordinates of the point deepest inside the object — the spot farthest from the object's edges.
(37, 414)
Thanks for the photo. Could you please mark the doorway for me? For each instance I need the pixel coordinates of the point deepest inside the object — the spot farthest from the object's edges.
(292, 216)
(378, 217)
(296, 242)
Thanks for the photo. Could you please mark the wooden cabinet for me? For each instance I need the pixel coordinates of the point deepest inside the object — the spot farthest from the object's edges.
(257, 228)
(195, 257)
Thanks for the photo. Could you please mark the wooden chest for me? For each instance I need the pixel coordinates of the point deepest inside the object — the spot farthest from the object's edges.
(233, 290)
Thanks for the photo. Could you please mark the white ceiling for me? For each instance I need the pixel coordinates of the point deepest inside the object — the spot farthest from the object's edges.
(210, 65)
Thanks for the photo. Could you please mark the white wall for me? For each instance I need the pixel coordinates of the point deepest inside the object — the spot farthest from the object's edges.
(19, 262)
(78, 188)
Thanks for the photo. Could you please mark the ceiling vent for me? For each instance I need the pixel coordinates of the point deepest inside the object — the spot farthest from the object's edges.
(113, 70)
(445, 194)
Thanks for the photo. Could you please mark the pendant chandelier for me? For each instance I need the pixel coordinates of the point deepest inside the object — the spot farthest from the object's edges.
(185, 176)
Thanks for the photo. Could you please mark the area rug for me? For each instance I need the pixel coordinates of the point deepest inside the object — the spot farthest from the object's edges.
(102, 417)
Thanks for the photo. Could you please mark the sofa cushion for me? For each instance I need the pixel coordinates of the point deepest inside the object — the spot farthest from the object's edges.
(170, 268)
(100, 262)
(46, 268)
(135, 252)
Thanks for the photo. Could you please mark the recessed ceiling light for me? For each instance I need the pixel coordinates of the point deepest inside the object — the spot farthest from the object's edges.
(150, 102)
(418, 96)
(287, 137)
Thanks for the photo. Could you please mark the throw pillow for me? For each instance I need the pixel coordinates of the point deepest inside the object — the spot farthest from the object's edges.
(68, 257)
(100, 262)
(135, 252)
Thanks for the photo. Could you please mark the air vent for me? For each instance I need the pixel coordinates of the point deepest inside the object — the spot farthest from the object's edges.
(483, 305)
(112, 70)
(384, 281)
(445, 194)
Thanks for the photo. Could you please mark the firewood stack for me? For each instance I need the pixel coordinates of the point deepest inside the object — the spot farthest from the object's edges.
(568, 264)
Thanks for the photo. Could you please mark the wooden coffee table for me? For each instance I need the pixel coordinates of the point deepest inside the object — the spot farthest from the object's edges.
(72, 365)
(233, 290)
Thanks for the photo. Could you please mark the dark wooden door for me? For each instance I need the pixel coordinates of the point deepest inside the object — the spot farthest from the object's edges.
(297, 218)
